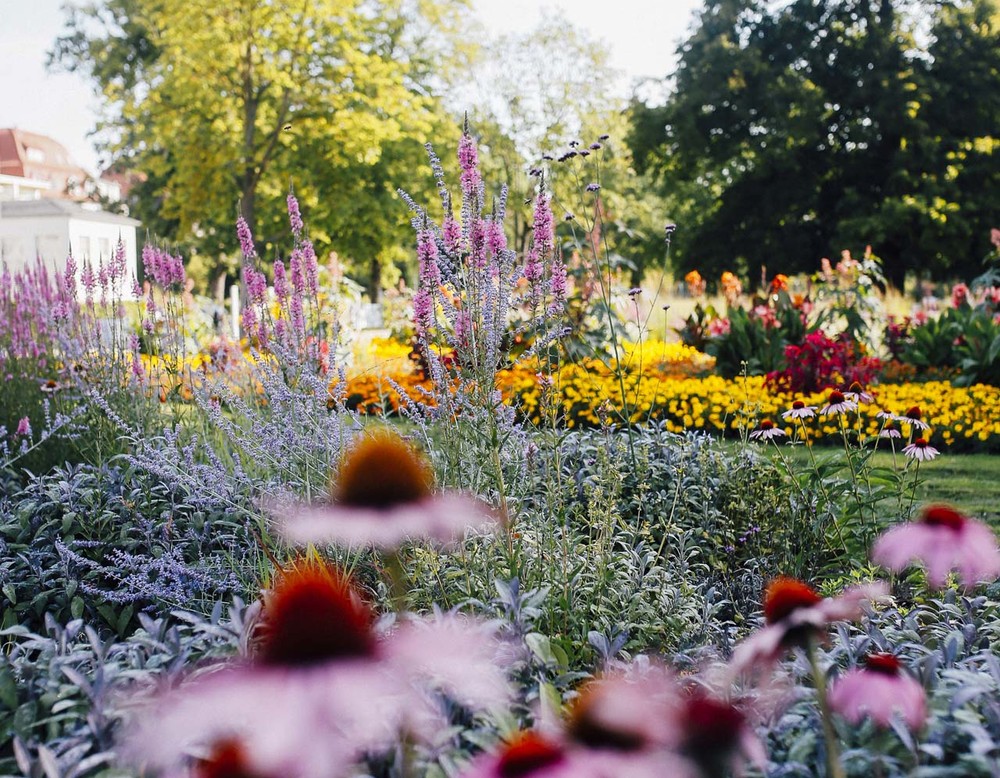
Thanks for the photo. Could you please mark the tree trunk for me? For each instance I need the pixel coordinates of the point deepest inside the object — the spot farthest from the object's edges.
(375, 280)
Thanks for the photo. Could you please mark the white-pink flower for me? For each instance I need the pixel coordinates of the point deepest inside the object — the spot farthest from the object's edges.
(794, 614)
(838, 403)
(945, 541)
(799, 410)
(767, 431)
(880, 691)
(382, 497)
(920, 450)
(322, 687)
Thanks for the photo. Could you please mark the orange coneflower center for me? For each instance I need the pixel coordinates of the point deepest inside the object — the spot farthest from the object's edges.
(857, 388)
(921, 443)
(315, 616)
(942, 516)
(527, 753)
(767, 424)
(785, 595)
(798, 405)
(382, 471)
(883, 663)
(228, 759)
(914, 413)
(588, 727)
(836, 397)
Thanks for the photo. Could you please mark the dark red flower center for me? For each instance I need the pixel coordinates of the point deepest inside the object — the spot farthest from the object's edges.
(767, 424)
(527, 753)
(785, 595)
(798, 405)
(883, 663)
(382, 471)
(228, 759)
(315, 616)
(836, 397)
(921, 443)
(712, 728)
(914, 413)
(857, 388)
(942, 516)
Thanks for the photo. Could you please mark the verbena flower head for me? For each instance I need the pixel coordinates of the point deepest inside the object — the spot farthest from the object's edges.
(837, 403)
(794, 614)
(944, 540)
(799, 410)
(382, 495)
(920, 450)
(880, 691)
(767, 431)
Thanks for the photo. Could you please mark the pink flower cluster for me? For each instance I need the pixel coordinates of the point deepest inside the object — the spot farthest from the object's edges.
(163, 269)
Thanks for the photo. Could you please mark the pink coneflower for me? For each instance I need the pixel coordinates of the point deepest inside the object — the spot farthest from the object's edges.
(636, 713)
(920, 450)
(799, 410)
(795, 613)
(528, 754)
(915, 418)
(889, 431)
(383, 495)
(837, 403)
(857, 394)
(717, 737)
(767, 431)
(880, 690)
(227, 759)
(322, 687)
(944, 540)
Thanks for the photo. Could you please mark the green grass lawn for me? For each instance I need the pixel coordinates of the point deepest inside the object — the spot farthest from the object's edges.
(970, 482)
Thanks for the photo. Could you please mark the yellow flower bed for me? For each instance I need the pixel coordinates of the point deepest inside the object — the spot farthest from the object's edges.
(589, 392)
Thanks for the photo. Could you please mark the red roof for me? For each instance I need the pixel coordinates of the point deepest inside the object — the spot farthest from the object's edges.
(30, 155)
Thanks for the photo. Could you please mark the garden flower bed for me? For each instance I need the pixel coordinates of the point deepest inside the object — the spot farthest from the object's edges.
(552, 568)
(585, 394)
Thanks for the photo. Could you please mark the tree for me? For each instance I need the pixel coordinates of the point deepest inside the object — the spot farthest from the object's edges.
(226, 105)
(534, 92)
(799, 129)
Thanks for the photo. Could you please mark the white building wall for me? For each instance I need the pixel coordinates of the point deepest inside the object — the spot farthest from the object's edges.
(22, 238)
(53, 237)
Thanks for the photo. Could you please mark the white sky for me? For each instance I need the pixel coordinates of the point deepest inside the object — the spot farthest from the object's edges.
(642, 35)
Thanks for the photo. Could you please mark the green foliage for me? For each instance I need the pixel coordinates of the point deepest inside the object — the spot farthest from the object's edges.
(104, 545)
(965, 339)
(890, 138)
(217, 106)
(547, 87)
(753, 343)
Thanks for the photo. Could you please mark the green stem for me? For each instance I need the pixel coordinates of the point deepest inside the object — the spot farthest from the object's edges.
(833, 767)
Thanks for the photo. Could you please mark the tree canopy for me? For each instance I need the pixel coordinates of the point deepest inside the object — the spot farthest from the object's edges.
(218, 106)
(799, 129)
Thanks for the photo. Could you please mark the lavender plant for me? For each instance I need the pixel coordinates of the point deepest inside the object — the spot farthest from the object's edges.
(474, 296)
